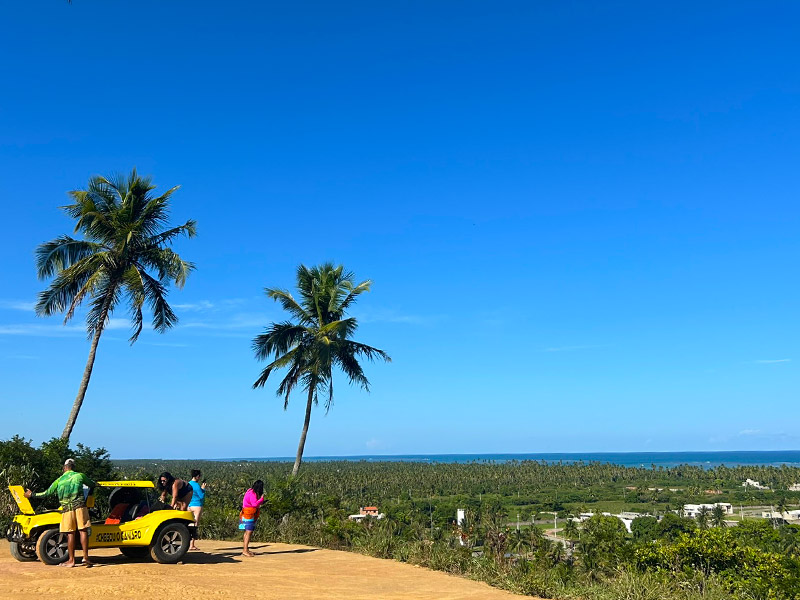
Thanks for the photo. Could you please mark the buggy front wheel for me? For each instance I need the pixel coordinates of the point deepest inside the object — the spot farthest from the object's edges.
(51, 547)
(23, 551)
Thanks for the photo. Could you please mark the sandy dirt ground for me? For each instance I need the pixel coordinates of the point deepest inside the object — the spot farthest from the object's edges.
(219, 572)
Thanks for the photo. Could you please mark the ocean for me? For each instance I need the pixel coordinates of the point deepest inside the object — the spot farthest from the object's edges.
(629, 459)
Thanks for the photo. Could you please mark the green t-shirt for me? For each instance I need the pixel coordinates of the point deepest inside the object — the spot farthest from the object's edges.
(69, 488)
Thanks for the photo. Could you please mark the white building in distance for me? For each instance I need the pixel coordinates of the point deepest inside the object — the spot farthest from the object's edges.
(626, 518)
(789, 515)
(754, 484)
(692, 510)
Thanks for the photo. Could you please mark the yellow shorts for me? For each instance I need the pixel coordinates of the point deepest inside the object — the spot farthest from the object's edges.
(72, 520)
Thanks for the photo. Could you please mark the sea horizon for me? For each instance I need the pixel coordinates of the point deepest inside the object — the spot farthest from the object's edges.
(706, 459)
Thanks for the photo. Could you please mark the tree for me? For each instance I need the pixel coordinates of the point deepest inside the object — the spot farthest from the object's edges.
(644, 528)
(781, 505)
(703, 517)
(571, 531)
(319, 341)
(126, 235)
(718, 516)
(536, 537)
(671, 526)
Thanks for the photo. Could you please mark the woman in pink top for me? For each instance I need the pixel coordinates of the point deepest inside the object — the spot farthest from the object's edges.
(253, 499)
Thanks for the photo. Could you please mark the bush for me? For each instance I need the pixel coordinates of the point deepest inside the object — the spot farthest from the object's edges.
(36, 468)
(718, 552)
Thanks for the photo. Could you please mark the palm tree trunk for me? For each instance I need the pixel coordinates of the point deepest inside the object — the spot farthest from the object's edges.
(87, 373)
(303, 435)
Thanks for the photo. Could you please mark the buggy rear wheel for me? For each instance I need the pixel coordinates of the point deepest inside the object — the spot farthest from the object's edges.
(170, 543)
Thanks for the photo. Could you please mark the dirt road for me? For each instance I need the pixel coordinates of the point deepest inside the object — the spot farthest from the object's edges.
(220, 573)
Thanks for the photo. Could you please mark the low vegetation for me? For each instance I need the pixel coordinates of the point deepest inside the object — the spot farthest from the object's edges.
(670, 557)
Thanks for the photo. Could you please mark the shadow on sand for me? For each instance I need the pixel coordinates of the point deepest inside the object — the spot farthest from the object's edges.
(203, 558)
(252, 547)
(238, 551)
(191, 558)
(220, 556)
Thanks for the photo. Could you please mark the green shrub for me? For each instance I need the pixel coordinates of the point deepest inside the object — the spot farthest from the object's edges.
(36, 468)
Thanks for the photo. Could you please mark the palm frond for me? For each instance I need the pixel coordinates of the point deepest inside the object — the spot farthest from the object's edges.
(168, 263)
(61, 253)
(156, 293)
(104, 301)
(154, 214)
(96, 279)
(341, 329)
(362, 287)
(290, 358)
(67, 284)
(134, 284)
(288, 383)
(369, 352)
(289, 304)
(189, 229)
(346, 360)
(277, 339)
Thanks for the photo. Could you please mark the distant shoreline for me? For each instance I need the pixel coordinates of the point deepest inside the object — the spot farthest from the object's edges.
(629, 459)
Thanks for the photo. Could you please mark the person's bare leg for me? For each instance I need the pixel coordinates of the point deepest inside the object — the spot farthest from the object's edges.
(196, 511)
(85, 545)
(246, 550)
(70, 550)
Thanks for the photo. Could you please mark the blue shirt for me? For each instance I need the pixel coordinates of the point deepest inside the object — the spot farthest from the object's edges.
(198, 495)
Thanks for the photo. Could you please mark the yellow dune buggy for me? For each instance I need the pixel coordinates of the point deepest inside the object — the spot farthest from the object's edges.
(136, 523)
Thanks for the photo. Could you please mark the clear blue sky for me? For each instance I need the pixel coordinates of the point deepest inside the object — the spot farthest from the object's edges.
(581, 219)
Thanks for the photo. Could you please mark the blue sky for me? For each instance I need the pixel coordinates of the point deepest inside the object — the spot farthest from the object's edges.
(580, 218)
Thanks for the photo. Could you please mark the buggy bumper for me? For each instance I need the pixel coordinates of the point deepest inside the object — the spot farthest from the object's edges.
(14, 533)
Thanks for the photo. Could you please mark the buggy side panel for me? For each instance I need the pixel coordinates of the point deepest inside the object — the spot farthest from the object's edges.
(138, 532)
(133, 533)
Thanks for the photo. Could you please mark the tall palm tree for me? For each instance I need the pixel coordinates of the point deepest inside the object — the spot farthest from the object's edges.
(718, 517)
(317, 342)
(571, 531)
(703, 516)
(781, 505)
(125, 235)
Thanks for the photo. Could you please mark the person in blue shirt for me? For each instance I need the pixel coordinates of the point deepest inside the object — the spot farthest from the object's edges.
(196, 504)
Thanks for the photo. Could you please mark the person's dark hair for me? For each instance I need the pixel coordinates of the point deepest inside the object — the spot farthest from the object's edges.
(196, 473)
(258, 487)
(165, 486)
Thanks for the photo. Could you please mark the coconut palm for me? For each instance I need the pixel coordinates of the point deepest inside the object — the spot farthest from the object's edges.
(317, 342)
(125, 235)
(536, 537)
(571, 531)
(718, 517)
(556, 553)
(781, 505)
(703, 517)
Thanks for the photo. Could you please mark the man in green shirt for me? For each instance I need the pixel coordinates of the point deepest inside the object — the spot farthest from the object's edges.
(75, 515)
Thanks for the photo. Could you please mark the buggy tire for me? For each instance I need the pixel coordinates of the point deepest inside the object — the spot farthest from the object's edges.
(135, 552)
(51, 547)
(170, 543)
(23, 552)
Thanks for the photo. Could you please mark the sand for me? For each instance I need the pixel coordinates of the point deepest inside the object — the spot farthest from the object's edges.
(219, 572)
